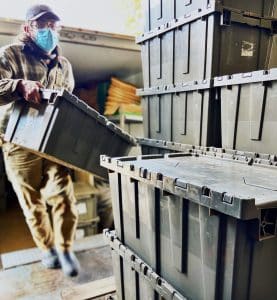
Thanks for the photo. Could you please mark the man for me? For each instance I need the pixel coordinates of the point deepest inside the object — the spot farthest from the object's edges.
(25, 68)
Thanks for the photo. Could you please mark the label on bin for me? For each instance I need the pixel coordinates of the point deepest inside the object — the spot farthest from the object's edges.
(247, 49)
(82, 208)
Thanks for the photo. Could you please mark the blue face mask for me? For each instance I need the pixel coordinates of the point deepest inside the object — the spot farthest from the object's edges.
(47, 39)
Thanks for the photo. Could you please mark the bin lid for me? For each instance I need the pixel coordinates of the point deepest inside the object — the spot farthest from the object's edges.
(237, 188)
(260, 76)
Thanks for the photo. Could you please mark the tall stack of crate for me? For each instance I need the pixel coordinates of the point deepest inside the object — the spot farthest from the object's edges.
(186, 45)
(201, 224)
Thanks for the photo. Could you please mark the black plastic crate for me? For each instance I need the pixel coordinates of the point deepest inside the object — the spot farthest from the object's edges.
(65, 129)
(203, 44)
(158, 12)
(234, 112)
(152, 146)
(264, 8)
(134, 278)
(248, 106)
(205, 222)
(186, 113)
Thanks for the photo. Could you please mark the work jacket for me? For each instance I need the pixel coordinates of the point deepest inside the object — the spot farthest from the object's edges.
(27, 61)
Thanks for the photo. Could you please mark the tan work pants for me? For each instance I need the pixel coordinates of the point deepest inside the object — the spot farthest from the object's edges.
(37, 182)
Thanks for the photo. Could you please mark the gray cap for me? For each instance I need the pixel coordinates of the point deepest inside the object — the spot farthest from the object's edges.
(39, 10)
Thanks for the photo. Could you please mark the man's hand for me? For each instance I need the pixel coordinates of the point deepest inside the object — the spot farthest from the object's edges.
(30, 90)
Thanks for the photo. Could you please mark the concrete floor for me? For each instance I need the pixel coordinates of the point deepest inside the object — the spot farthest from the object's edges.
(33, 282)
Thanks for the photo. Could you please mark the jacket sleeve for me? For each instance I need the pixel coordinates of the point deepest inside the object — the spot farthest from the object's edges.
(69, 82)
(8, 85)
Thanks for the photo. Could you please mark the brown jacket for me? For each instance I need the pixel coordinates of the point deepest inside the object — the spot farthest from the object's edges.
(27, 61)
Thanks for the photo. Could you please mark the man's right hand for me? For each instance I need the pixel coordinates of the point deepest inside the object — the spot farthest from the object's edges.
(30, 90)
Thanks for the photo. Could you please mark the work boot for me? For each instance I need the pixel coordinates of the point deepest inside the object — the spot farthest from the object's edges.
(69, 263)
(50, 259)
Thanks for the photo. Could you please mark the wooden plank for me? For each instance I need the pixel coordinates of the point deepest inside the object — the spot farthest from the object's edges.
(90, 290)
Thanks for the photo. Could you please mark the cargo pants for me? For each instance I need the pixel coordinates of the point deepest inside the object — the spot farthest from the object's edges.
(37, 182)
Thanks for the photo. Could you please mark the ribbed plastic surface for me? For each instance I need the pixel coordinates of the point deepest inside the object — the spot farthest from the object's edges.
(232, 111)
(204, 221)
(134, 278)
(193, 46)
(248, 103)
(152, 146)
(158, 12)
(183, 115)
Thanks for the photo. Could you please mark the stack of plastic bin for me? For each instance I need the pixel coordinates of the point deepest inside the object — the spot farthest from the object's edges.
(201, 222)
(248, 120)
(185, 49)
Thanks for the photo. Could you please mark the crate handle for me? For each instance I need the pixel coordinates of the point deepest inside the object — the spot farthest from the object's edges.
(50, 95)
(226, 18)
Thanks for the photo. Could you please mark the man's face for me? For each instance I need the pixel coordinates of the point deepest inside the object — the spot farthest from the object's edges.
(44, 22)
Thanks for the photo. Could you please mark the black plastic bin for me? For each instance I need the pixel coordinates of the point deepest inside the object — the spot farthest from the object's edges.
(65, 129)
(248, 111)
(264, 8)
(158, 12)
(187, 113)
(134, 278)
(204, 44)
(205, 222)
(152, 146)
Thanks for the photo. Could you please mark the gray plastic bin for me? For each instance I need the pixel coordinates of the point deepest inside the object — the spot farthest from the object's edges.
(134, 278)
(205, 222)
(186, 113)
(194, 46)
(152, 146)
(248, 111)
(158, 12)
(65, 129)
(266, 8)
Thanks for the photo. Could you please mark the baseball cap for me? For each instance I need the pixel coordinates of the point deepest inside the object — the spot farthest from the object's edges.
(39, 10)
